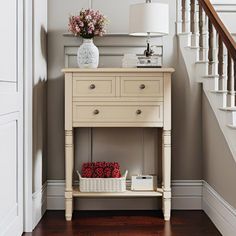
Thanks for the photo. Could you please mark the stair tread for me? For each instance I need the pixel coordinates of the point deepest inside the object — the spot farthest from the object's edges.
(218, 91)
(184, 33)
(227, 108)
(232, 126)
(204, 62)
(201, 62)
(210, 76)
(192, 47)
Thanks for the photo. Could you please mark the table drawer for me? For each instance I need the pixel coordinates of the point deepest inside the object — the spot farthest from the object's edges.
(118, 113)
(94, 86)
(141, 87)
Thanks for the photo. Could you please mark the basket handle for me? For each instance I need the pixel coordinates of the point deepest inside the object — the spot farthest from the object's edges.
(78, 174)
(126, 173)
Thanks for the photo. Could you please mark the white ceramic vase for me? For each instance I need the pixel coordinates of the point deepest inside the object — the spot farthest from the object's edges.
(88, 54)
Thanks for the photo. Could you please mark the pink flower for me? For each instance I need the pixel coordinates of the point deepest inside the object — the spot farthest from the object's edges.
(88, 17)
(87, 24)
(77, 28)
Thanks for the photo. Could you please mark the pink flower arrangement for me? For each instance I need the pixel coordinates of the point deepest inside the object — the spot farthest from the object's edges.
(101, 170)
(87, 24)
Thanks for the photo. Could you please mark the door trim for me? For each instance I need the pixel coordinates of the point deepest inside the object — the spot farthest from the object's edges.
(28, 111)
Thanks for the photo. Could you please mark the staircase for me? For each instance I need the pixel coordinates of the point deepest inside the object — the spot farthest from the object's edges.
(209, 53)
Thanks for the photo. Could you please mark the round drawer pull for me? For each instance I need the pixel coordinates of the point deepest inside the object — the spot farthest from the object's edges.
(142, 86)
(96, 112)
(138, 112)
(92, 86)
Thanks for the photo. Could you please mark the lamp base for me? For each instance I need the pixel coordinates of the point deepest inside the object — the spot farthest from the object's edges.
(148, 52)
(153, 61)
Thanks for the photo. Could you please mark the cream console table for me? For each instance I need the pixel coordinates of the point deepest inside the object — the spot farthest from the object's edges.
(118, 97)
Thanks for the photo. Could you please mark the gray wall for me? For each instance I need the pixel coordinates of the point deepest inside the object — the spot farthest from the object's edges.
(219, 167)
(187, 156)
(186, 151)
(39, 94)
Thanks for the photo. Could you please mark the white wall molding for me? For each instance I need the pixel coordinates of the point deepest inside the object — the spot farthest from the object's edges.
(39, 204)
(55, 194)
(220, 212)
(28, 111)
(186, 194)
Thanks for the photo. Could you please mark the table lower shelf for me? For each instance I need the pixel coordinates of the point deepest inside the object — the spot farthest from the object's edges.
(128, 193)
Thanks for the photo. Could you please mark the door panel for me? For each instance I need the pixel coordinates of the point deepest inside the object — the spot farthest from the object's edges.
(11, 118)
(8, 46)
(9, 167)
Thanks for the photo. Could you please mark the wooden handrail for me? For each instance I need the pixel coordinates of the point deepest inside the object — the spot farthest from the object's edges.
(220, 27)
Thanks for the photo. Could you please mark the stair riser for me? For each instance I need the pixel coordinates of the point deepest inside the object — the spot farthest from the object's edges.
(230, 100)
(212, 69)
(212, 84)
(184, 40)
(221, 99)
(217, 99)
(201, 70)
(234, 118)
(230, 117)
(195, 40)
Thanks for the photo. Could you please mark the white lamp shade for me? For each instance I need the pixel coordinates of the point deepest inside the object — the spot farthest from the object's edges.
(149, 18)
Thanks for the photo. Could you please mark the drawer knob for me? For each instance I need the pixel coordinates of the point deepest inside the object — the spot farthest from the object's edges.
(92, 86)
(138, 112)
(142, 86)
(96, 112)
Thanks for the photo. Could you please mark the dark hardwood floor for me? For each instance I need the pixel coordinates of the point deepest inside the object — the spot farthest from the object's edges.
(125, 223)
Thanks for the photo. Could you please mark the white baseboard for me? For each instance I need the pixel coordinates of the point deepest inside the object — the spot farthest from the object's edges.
(222, 214)
(55, 194)
(186, 195)
(39, 201)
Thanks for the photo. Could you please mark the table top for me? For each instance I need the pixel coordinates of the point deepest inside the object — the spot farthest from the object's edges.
(126, 70)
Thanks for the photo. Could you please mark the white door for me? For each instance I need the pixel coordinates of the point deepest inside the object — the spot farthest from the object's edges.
(11, 117)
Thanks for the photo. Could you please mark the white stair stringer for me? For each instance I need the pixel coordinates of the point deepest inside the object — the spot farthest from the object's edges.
(198, 72)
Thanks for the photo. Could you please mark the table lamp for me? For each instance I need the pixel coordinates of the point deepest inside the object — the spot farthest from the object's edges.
(149, 19)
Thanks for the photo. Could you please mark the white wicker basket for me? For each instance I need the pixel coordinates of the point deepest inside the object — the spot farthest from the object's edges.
(103, 184)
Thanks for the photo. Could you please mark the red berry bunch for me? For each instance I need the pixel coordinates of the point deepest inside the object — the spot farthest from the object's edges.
(101, 170)
(116, 173)
(107, 172)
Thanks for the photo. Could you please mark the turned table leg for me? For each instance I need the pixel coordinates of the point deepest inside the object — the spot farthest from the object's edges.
(166, 178)
(69, 158)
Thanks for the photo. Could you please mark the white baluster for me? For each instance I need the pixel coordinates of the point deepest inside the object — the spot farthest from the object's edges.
(194, 23)
(186, 16)
(179, 20)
